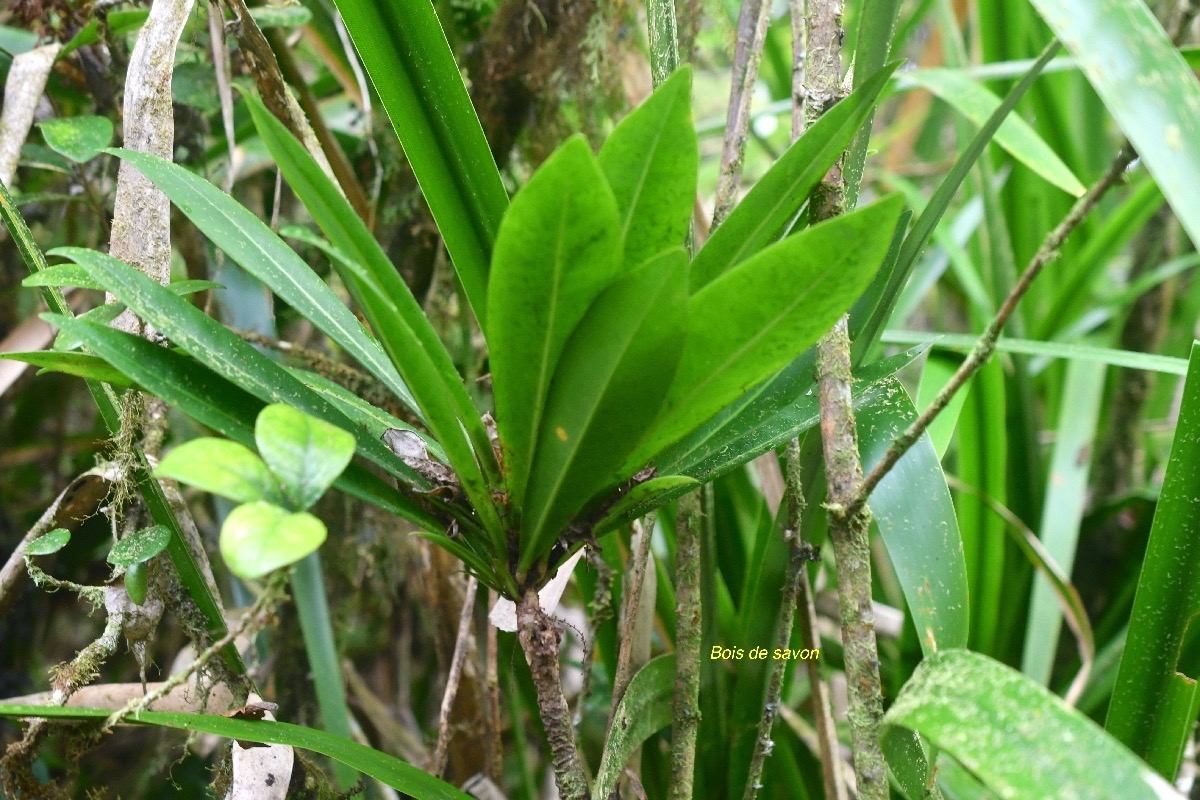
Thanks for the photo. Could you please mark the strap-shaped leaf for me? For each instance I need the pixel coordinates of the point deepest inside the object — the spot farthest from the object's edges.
(218, 404)
(558, 249)
(916, 520)
(405, 52)
(650, 161)
(777, 196)
(257, 249)
(211, 343)
(604, 393)
(757, 317)
(397, 318)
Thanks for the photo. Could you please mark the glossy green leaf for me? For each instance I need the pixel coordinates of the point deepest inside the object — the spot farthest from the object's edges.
(558, 249)
(645, 709)
(757, 317)
(1154, 701)
(997, 723)
(63, 275)
(79, 364)
(1145, 84)
(650, 161)
(139, 546)
(257, 249)
(78, 138)
(644, 498)
(306, 454)
(406, 333)
(388, 769)
(766, 209)
(258, 538)
(221, 467)
(602, 397)
(977, 103)
(281, 16)
(785, 408)
(228, 354)
(408, 59)
(191, 387)
(48, 543)
(916, 519)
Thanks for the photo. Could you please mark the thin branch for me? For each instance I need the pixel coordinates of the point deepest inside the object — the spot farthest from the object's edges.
(629, 611)
(686, 717)
(437, 763)
(983, 349)
(753, 21)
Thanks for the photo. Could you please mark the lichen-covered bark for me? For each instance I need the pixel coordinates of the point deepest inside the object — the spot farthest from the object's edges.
(22, 90)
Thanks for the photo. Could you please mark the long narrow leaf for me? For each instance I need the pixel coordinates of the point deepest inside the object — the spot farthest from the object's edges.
(405, 53)
(391, 771)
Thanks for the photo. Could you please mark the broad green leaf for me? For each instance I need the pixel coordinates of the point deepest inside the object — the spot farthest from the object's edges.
(1120, 45)
(63, 275)
(916, 519)
(139, 546)
(248, 241)
(643, 498)
(220, 405)
(938, 370)
(622, 355)
(79, 364)
(779, 411)
(306, 454)
(977, 103)
(48, 543)
(259, 537)
(767, 208)
(137, 582)
(1016, 737)
(407, 335)
(650, 161)
(410, 64)
(221, 467)
(1155, 700)
(387, 769)
(208, 341)
(754, 319)
(78, 138)
(645, 709)
(281, 16)
(558, 249)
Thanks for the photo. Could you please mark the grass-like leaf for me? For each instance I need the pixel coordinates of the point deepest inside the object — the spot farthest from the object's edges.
(406, 55)
(391, 771)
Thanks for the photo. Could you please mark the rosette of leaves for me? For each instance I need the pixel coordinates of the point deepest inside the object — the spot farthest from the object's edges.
(301, 456)
(609, 343)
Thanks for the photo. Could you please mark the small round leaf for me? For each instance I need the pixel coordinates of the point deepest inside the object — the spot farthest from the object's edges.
(306, 454)
(139, 546)
(258, 538)
(49, 543)
(78, 138)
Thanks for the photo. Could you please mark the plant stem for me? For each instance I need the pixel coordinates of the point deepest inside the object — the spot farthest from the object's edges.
(664, 39)
(687, 646)
(540, 639)
(438, 763)
(753, 21)
(843, 467)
